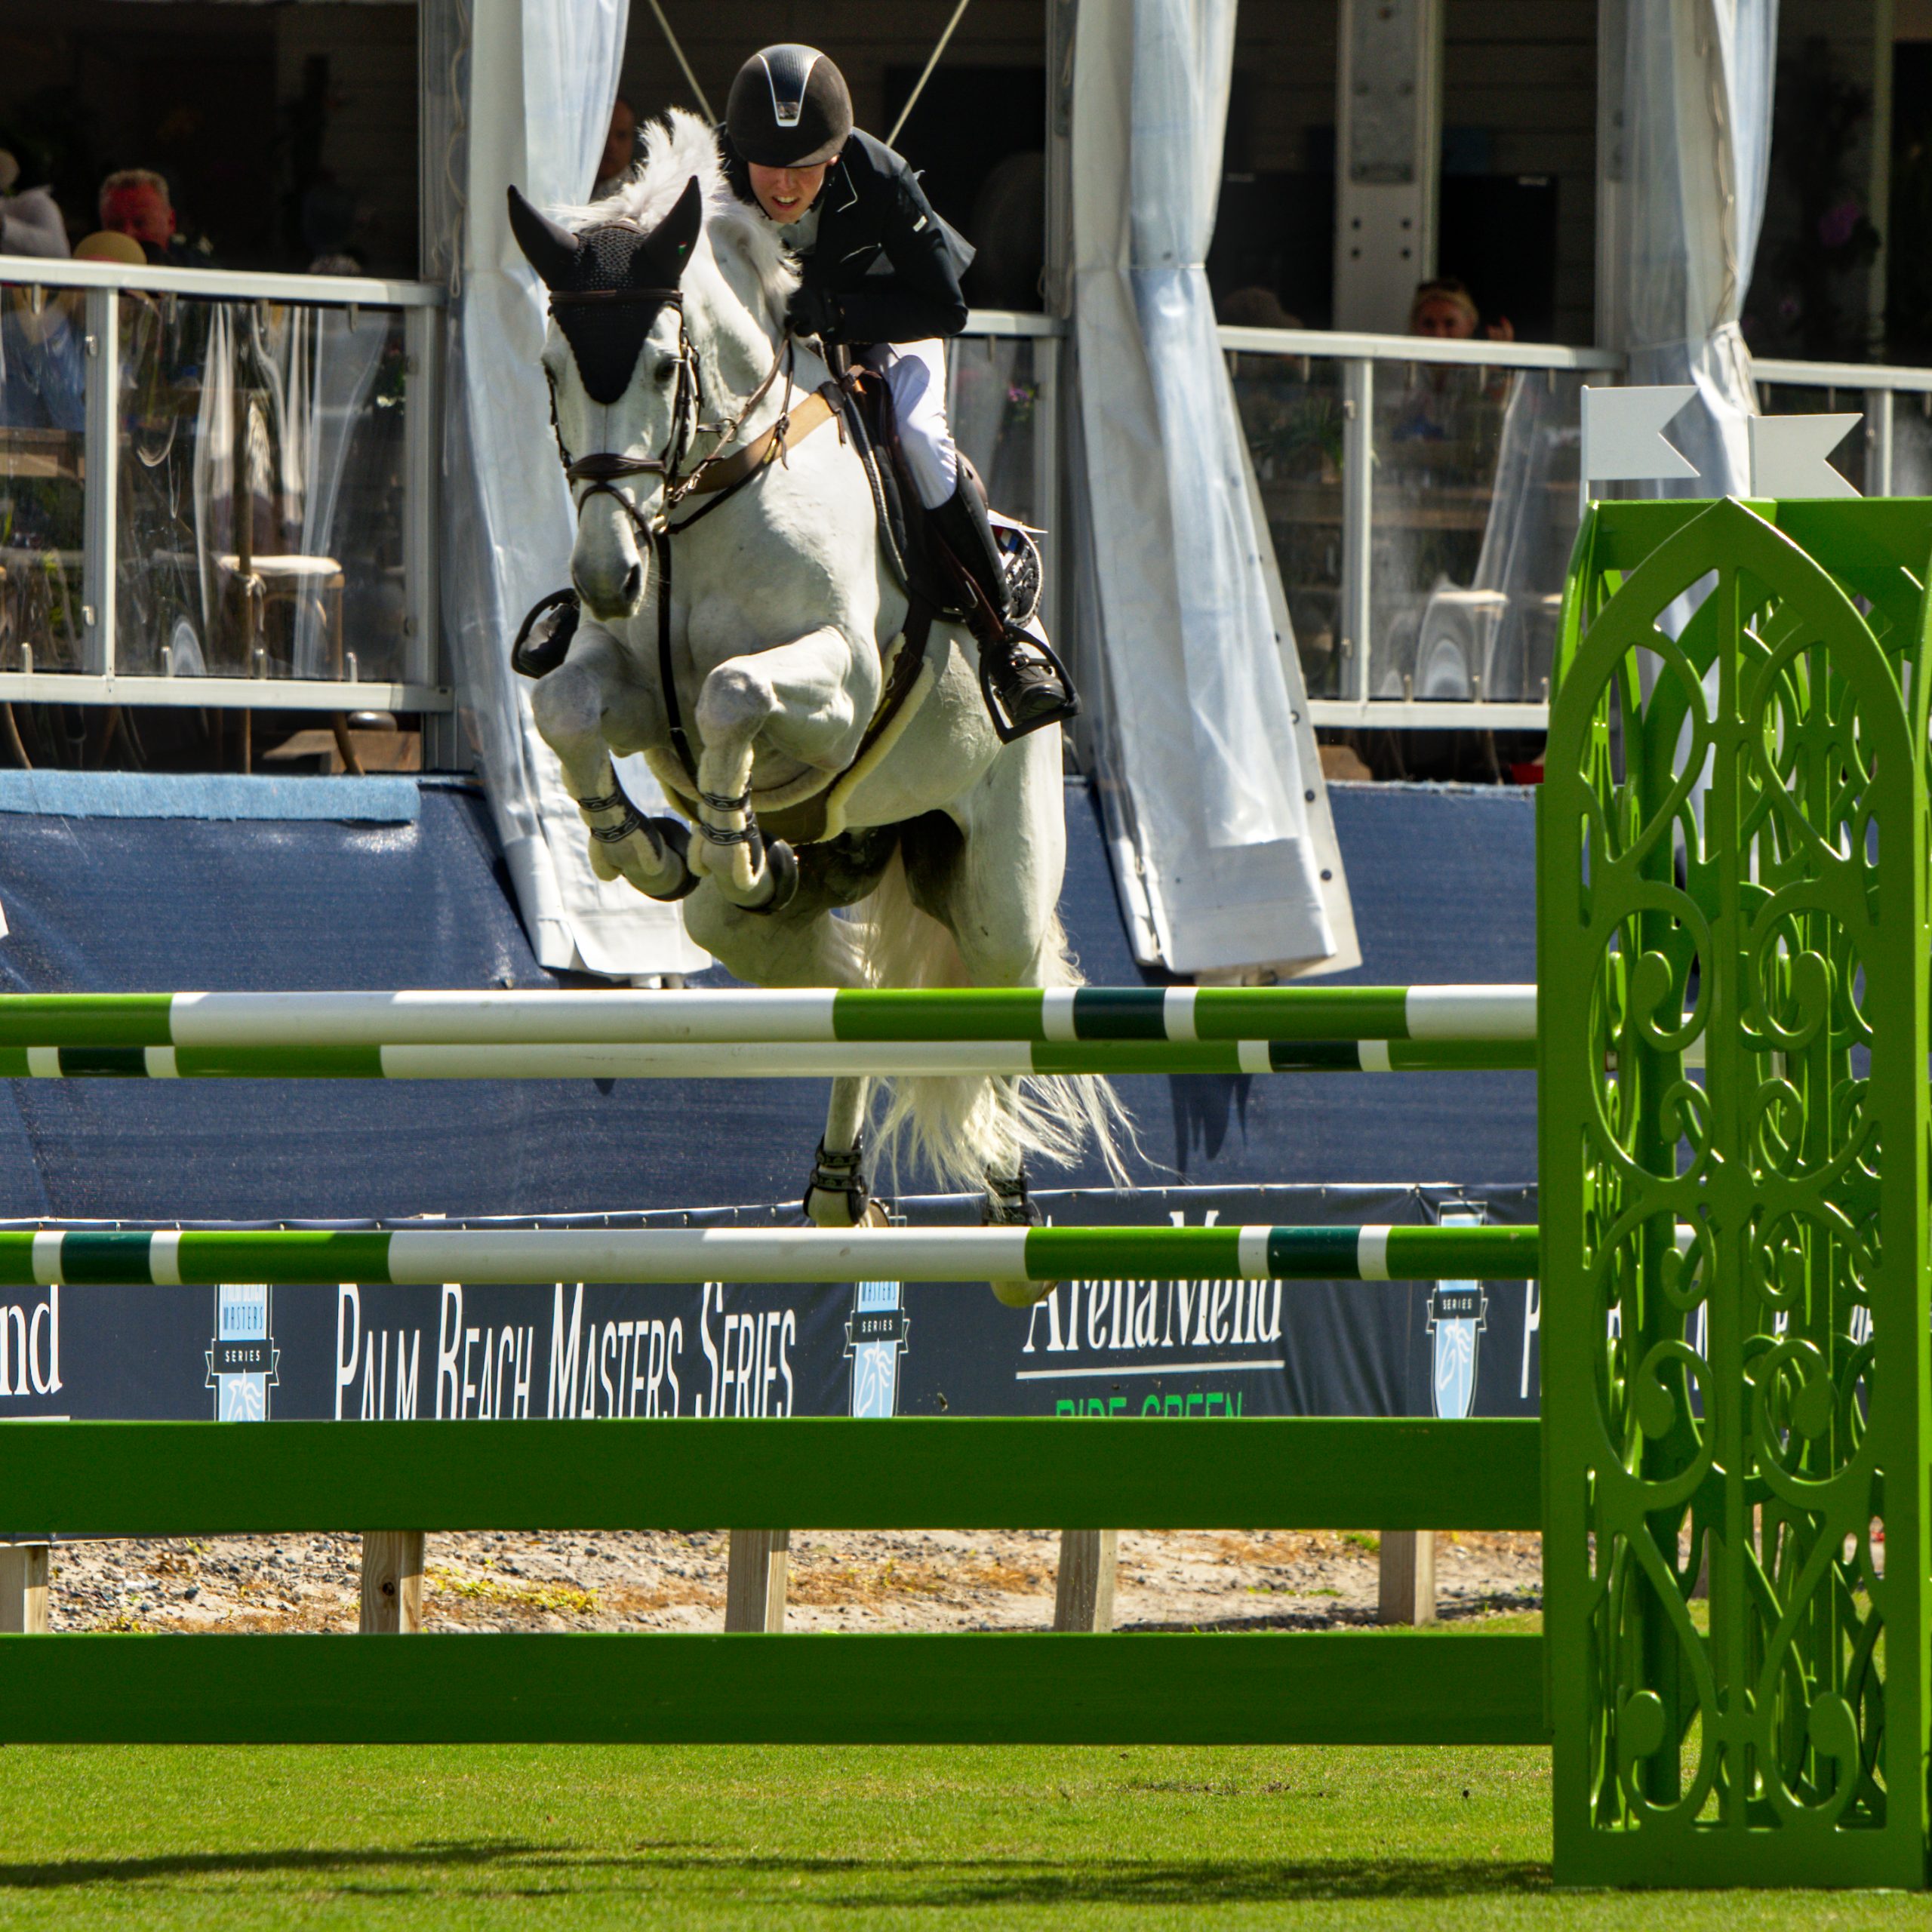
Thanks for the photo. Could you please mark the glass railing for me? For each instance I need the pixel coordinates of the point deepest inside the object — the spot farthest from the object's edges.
(219, 490)
(1422, 498)
(1002, 381)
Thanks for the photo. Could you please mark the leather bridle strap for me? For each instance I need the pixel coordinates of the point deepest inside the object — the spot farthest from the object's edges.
(603, 467)
(575, 298)
(681, 488)
(667, 677)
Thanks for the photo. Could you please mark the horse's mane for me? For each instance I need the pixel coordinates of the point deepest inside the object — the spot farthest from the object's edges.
(676, 147)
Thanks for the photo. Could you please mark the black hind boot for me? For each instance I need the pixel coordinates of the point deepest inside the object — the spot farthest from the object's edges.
(1026, 685)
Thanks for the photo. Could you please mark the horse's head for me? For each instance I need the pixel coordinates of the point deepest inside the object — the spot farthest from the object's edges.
(624, 387)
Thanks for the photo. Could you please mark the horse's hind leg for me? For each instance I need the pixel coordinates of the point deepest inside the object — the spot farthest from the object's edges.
(997, 886)
(1008, 1202)
(801, 945)
(837, 1194)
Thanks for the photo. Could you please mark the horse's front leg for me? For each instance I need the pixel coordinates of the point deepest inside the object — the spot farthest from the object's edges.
(579, 707)
(810, 701)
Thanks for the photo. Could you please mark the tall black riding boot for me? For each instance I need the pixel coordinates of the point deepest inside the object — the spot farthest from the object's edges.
(1023, 680)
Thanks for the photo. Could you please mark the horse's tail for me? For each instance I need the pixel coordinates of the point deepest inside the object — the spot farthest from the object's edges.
(962, 1127)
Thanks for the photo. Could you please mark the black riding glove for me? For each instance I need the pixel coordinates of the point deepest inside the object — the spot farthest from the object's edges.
(813, 311)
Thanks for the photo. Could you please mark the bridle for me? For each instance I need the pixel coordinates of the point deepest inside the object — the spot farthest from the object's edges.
(604, 468)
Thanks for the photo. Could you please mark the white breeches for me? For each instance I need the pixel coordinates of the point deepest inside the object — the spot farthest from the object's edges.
(916, 374)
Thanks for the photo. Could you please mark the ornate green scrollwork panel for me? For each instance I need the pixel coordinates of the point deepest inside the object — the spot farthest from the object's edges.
(1733, 958)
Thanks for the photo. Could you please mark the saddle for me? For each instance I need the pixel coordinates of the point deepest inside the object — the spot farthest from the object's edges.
(927, 570)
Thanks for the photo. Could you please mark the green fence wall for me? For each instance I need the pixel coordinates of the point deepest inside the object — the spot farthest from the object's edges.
(1732, 863)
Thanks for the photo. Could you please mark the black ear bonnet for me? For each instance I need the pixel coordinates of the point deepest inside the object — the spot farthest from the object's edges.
(609, 283)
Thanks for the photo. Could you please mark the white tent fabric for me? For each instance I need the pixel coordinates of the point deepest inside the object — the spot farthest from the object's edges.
(541, 76)
(1203, 728)
(1697, 85)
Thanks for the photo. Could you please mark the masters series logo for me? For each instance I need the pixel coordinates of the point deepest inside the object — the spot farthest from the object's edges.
(242, 1357)
(875, 1339)
(1458, 1313)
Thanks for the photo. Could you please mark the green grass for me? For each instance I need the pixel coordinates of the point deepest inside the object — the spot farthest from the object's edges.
(642, 1837)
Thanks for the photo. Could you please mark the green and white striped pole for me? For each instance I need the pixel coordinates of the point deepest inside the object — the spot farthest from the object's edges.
(726, 1015)
(295, 1256)
(779, 1059)
(735, 1032)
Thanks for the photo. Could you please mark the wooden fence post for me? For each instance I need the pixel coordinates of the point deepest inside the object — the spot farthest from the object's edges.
(754, 1579)
(1407, 1582)
(1084, 1590)
(23, 1568)
(392, 1582)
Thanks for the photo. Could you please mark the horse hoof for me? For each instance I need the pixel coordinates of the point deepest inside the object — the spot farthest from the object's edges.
(1022, 1294)
(607, 860)
(834, 1211)
(675, 837)
(781, 862)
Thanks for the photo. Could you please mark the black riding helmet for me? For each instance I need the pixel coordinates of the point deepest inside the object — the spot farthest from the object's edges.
(790, 108)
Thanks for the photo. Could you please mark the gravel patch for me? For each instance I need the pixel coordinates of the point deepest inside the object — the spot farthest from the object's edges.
(893, 1580)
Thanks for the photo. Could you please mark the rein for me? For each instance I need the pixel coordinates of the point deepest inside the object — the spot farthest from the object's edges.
(603, 469)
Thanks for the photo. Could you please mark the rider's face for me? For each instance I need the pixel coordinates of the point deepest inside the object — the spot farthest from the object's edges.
(785, 193)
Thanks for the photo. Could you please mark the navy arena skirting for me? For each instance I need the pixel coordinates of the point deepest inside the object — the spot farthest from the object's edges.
(1443, 881)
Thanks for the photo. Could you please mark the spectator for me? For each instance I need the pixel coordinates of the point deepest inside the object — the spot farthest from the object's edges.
(1444, 308)
(620, 151)
(136, 202)
(107, 244)
(1255, 307)
(30, 224)
(328, 220)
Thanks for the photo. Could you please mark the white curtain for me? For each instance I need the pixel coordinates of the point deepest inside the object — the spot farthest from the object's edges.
(1697, 80)
(538, 78)
(1210, 763)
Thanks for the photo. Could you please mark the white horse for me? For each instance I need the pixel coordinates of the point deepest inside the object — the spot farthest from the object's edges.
(758, 680)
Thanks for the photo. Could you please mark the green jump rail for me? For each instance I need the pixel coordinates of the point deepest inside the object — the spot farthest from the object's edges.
(761, 1016)
(295, 1256)
(155, 1479)
(975, 1687)
(778, 1060)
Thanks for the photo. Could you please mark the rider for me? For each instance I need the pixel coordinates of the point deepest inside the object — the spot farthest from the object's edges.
(842, 202)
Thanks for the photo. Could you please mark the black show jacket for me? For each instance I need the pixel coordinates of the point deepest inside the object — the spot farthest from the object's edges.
(871, 209)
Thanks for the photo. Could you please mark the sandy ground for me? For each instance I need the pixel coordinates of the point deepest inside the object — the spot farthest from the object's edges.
(917, 1580)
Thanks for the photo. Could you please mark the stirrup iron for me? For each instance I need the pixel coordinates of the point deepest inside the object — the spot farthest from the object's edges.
(1005, 725)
